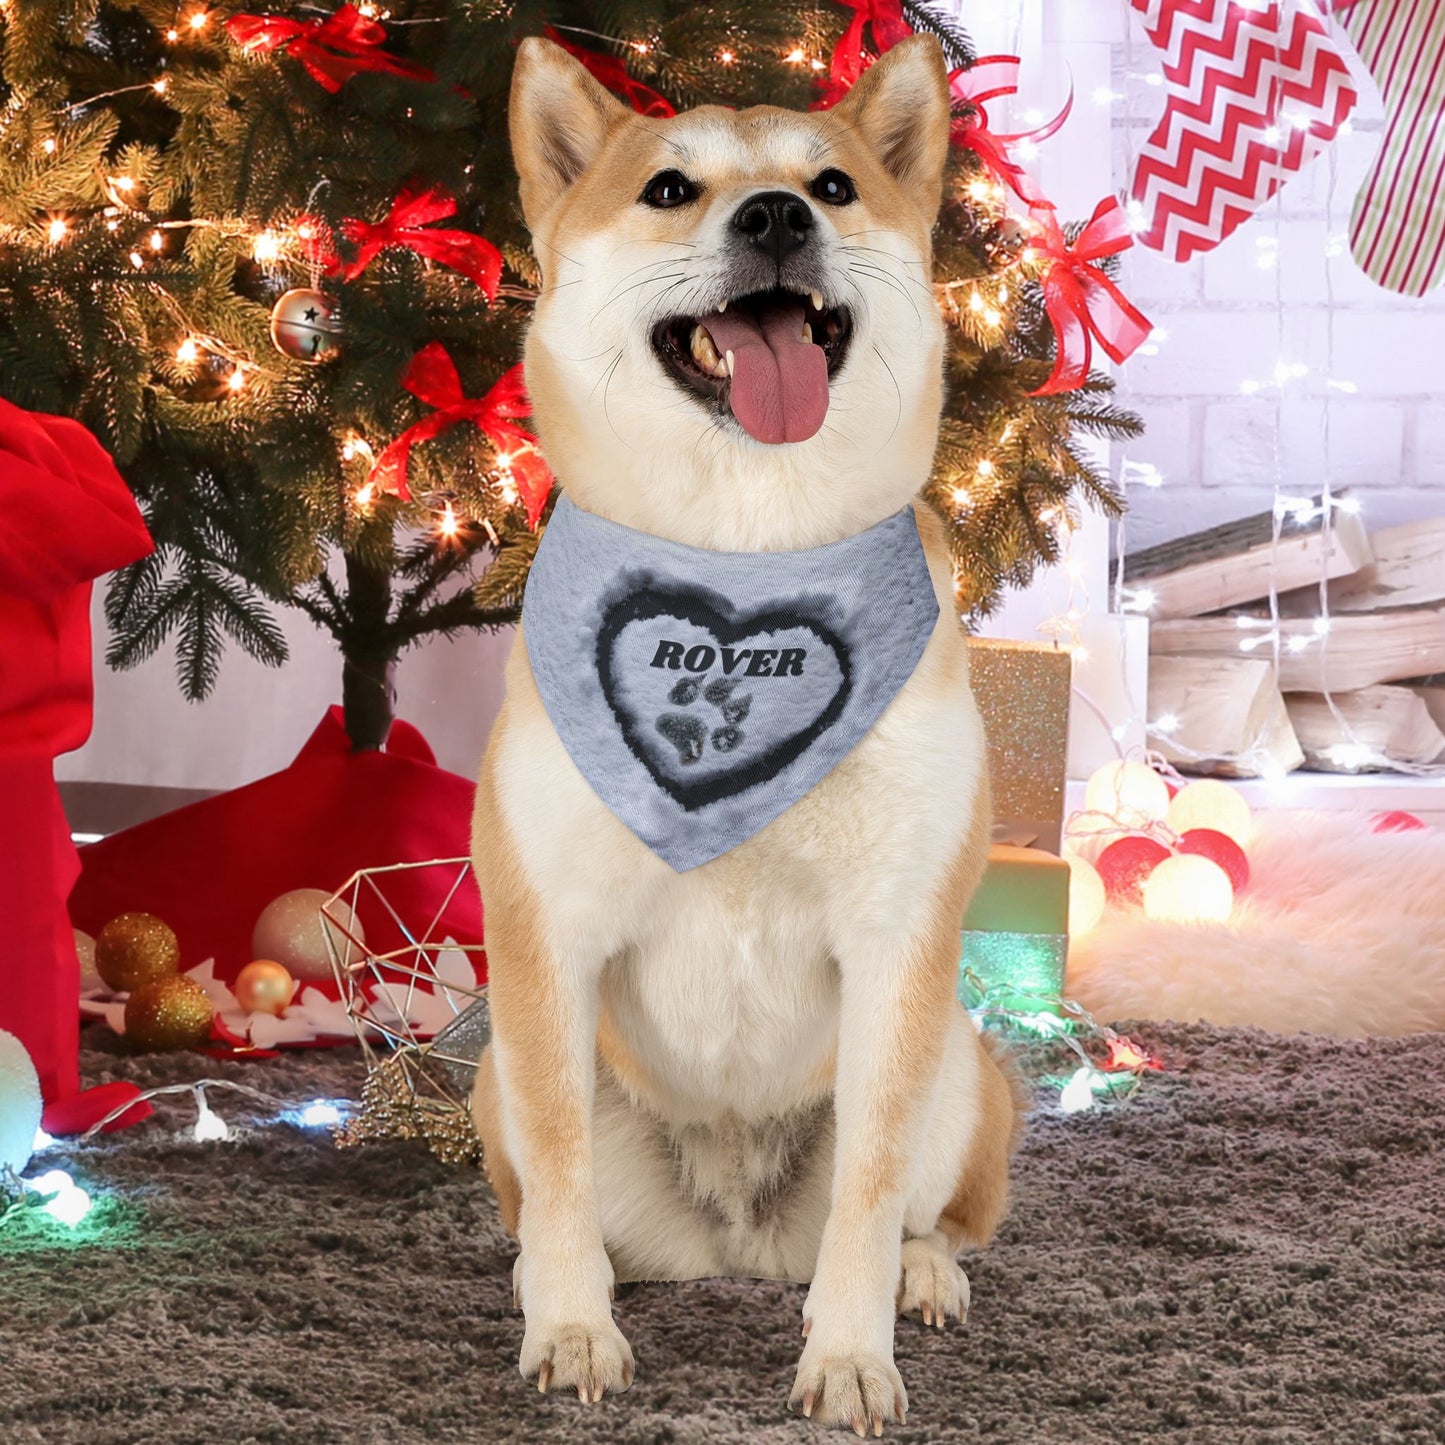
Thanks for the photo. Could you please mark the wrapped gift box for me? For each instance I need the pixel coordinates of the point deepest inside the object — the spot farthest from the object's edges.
(1015, 933)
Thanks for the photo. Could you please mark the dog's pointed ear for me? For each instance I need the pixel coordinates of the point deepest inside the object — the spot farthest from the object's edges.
(559, 118)
(900, 106)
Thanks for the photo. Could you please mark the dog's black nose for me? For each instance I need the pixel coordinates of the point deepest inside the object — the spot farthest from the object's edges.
(776, 222)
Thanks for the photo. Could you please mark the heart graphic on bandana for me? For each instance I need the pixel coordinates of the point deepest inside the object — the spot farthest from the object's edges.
(712, 705)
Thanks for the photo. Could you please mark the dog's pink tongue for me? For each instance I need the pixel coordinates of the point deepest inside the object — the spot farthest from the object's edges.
(780, 382)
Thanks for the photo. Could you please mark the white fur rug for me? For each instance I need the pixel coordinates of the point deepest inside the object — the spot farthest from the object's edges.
(1341, 931)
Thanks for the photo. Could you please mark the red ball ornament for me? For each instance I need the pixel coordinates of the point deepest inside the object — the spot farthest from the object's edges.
(1126, 863)
(1396, 822)
(1218, 848)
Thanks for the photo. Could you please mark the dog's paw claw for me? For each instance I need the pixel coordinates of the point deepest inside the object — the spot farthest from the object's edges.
(849, 1390)
(591, 1359)
(933, 1283)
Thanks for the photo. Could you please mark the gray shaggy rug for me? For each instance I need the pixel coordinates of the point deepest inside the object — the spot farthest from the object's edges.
(1251, 1250)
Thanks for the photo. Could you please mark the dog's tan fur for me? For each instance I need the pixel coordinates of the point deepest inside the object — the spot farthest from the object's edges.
(758, 1066)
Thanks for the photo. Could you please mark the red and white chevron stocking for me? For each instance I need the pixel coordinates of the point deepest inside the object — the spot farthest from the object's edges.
(1256, 92)
(1397, 233)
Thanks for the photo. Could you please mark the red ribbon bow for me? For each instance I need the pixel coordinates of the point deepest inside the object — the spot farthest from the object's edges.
(472, 255)
(1082, 302)
(986, 79)
(885, 19)
(432, 377)
(612, 73)
(332, 50)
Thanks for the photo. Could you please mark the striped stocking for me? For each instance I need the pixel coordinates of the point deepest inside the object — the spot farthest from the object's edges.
(1397, 233)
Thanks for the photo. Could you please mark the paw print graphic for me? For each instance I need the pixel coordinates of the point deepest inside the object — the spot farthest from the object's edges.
(690, 732)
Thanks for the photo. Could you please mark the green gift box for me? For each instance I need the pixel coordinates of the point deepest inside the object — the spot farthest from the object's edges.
(1016, 931)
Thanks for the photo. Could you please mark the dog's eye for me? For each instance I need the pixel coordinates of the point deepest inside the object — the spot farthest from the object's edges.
(834, 188)
(669, 188)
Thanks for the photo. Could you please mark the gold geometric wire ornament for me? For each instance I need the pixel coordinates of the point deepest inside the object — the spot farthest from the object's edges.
(419, 1014)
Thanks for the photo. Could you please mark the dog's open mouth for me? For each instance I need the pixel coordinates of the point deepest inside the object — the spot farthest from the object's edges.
(767, 357)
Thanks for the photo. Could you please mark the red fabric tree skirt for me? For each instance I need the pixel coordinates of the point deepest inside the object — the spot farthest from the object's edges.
(209, 869)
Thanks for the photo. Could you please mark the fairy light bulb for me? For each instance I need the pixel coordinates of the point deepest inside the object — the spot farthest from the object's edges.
(70, 1203)
(975, 302)
(726, 56)
(187, 351)
(237, 380)
(173, 34)
(1086, 896)
(157, 241)
(209, 1126)
(961, 496)
(48, 145)
(795, 56)
(266, 247)
(364, 495)
(161, 86)
(58, 230)
(1208, 803)
(986, 468)
(137, 260)
(1078, 1094)
(449, 526)
(124, 183)
(198, 20)
(993, 317)
(1133, 794)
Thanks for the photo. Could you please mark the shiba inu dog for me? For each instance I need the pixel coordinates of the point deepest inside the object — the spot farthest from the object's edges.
(756, 1066)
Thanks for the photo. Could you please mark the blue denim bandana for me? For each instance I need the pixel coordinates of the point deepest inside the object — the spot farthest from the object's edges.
(702, 693)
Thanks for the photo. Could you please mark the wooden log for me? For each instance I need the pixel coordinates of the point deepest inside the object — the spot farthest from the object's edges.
(1221, 716)
(1408, 569)
(1229, 565)
(1433, 696)
(1393, 723)
(1364, 648)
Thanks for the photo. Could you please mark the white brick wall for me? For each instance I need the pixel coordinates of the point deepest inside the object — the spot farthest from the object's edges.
(1282, 287)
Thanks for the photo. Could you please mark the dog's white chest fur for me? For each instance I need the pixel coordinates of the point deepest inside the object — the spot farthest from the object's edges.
(722, 978)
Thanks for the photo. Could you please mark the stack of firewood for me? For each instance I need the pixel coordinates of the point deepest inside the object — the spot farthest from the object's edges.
(1361, 691)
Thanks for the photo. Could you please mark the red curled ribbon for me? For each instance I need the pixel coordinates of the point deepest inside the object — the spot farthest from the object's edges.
(885, 19)
(612, 73)
(432, 377)
(1082, 302)
(474, 256)
(332, 50)
(989, 77)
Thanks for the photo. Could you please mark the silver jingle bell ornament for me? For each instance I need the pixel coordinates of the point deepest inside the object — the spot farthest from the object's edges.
(305, 325)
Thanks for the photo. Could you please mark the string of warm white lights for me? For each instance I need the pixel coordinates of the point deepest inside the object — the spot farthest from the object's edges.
(1271, 631)
(57, 1195)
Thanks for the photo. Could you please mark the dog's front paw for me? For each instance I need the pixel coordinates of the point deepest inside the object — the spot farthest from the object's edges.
(589, 1358)
(856, 1390)
(932, 1282)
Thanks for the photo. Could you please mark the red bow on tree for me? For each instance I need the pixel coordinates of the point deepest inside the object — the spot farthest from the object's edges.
(986, 79)
(332, 50)
(885, 19)
(432, 377)
(1083, 304)
(472, 255)
(612, 73)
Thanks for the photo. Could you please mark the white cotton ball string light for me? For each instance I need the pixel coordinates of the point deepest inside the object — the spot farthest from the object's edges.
(1188, 888)
(1209, 803)
(1133, 794)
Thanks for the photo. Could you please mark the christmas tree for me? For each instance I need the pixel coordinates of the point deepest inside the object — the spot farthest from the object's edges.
(276, 262)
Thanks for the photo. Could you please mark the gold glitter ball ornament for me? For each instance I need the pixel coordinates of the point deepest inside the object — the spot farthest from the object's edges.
(292, 931)
(264, 987)
(134, 949)
(169, 1013)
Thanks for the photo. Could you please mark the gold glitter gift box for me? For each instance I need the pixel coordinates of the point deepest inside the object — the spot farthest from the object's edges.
(1015, 934)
